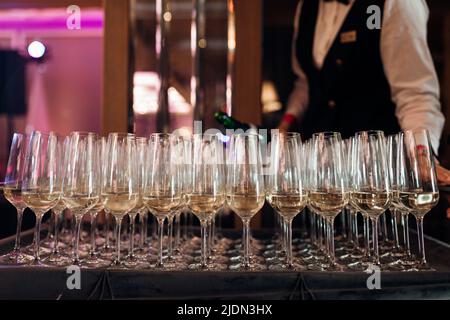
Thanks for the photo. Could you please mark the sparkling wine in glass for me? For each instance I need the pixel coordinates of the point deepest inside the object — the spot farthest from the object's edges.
(245, 187)
(328, 194)
(285, 190)
(82, 181)
(418, 189)
(120, 187)
(12, 191)
(41, 187)
(371, 189)
(206, 194)
(162, 191)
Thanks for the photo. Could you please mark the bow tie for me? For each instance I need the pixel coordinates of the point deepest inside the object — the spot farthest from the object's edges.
(346, 2)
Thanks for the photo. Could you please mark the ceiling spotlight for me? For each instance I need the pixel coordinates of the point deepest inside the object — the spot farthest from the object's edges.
(36, 49)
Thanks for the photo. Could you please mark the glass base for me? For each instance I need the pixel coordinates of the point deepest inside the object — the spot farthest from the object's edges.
(96, 262)
(296, 267)
(250, 267)
(16, 258)
(57, 260)
(208, 267)
(334, 267)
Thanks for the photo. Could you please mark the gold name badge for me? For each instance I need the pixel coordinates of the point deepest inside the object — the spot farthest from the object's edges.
(348, 37)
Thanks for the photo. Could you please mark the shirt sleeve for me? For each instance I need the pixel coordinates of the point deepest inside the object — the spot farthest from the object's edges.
(409, 67)
(299, 98)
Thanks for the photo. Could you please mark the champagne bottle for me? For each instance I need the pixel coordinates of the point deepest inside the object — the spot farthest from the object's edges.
(229, 122)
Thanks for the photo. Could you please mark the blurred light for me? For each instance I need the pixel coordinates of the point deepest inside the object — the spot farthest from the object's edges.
(269, 97)
(167, 16)
(36, 49)
(225, 138)
(202, 43)
(146, 91)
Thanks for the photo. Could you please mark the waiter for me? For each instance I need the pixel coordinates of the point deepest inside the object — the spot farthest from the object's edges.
(353, 77)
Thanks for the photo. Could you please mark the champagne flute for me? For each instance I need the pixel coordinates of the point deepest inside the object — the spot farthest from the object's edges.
(206, 194)
(57, 258)
(95, 259)
(245, 184)
(286, 192)
(41, 189)
(162, 192)
(120, 188)
(82, 181)
(13, 193)
(139, 209)
(371, 190)
(403, 255)
(178, 259)
(418, 189)
(328, 193)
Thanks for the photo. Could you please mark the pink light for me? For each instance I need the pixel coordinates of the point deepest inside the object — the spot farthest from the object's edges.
(32, 19)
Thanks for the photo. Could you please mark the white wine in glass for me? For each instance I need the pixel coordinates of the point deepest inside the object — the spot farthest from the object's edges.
(245, 187)
(41, 188)
(82, 180)
(120, 185)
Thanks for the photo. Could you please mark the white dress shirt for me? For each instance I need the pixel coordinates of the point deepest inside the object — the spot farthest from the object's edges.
(406, 58)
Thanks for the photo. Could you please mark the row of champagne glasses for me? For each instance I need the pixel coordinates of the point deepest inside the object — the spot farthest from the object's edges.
(168, 174)
(367, 174)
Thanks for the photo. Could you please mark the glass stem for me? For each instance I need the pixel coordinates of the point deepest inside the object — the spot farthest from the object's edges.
(93, 227)
(18, 230)
(289, 259)
(209, 241)
(170, 237)
(285, 232)
(355, 229)
(132, 228)
(212, 235)
(177, 232)
(219, 225)
(155, 226)
(343, 225)
(331, 241)
(76, 259)
(406, 233)
(246, 235)
(395, 228)
(375, 240)
(421, 239)
(56, 232)
(37, 237)
(106, 230)
(384, 229)
(118, 231)
(319, 232)
(366, 236)
(349, 225)
(204, 226)
(143, 237)
(160, 242)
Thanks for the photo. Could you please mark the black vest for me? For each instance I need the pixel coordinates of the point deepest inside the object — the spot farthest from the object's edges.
(351, 92)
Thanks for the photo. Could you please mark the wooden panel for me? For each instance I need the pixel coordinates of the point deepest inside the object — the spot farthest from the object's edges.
(247, 69)
(116, 66)
(248, 63)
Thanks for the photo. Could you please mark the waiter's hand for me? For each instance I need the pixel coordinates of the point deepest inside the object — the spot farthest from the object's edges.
(284, 126)
(443, 175)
